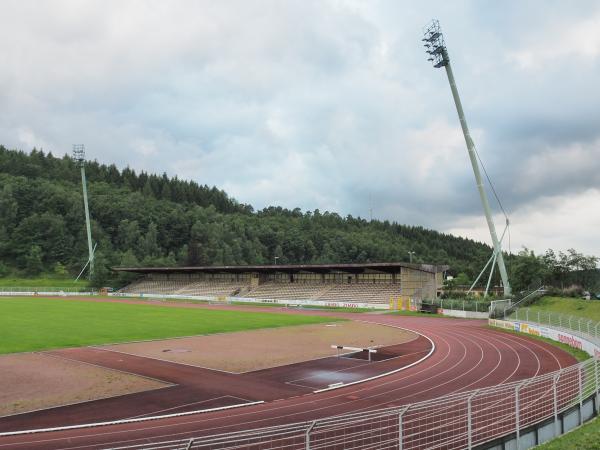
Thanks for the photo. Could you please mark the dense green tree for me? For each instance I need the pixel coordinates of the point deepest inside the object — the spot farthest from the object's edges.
(33, 260)
(147, 219)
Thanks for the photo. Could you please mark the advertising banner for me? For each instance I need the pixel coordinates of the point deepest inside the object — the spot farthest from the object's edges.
(562, 336)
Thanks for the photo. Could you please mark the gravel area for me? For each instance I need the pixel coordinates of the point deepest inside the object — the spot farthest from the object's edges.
(247, 351)
(32, 381)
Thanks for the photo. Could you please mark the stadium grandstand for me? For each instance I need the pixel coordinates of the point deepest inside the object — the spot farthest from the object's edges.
(369, 283)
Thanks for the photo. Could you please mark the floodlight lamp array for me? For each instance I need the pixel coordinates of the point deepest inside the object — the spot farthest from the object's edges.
(79, 153)
(434, 45)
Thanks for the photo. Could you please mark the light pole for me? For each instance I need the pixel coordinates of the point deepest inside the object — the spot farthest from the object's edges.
(410, 255)
(438, 55)
(79, 156)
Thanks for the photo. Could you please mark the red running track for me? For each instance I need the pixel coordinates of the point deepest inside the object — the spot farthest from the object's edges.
(468, 356)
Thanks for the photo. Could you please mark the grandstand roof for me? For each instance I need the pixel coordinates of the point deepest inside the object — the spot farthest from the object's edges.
(389, 267)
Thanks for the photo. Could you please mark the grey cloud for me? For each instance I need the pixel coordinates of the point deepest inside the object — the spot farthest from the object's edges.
(313, 104)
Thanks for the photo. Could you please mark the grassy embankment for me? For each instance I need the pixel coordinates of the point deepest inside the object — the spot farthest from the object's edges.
(48, 281)
(588, 436)
(579, 355)
(585, 438)
(29, 324)
(589, 309)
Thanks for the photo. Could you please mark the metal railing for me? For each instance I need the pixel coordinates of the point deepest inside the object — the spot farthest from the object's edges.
(461, 304)
(462, 420)
(576, 324)
(519, 302)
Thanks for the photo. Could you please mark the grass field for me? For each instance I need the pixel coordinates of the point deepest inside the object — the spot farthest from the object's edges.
(580, 355)
(49, 281)
(28, 324)
(588, 436)
(589, 309)
(585, 438)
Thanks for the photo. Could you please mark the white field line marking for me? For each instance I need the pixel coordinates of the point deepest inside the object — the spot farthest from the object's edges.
(311, 401)
(188, 404)
(375, 377)
(165, 360)
(167, 384)
(274, 327)
(358, 366)
(119, 422)
(417, 375)
(105, 347)
(47, 353)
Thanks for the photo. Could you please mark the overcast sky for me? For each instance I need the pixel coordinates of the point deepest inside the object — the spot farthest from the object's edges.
(324, 104)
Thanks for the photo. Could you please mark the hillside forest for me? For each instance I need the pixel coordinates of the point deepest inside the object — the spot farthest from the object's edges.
(141, 219)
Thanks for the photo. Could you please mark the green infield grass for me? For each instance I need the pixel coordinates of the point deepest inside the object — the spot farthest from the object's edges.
(28, 324)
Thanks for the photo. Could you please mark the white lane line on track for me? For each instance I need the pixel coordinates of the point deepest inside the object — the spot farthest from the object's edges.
(277, 407)
(189, 404)
(480, 331)
(441, 338)
(274, 407)
(526, 404)
(125, 421)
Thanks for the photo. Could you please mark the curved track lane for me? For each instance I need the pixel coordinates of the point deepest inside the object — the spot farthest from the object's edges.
(468, 355)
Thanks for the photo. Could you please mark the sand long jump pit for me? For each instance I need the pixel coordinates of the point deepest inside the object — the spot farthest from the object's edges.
(248, 351)
(32, 381)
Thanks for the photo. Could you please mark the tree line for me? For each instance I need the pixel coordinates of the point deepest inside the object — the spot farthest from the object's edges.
(150, 220)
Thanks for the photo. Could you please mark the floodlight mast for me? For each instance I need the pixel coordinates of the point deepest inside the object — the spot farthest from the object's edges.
(438, 55)
(79, 156)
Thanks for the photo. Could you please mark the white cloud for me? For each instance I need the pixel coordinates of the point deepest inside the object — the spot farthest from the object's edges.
(316, 104)
(558, 222)
(551, 45)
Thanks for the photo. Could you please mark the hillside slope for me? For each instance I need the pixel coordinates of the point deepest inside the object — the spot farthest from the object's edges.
(150, 220)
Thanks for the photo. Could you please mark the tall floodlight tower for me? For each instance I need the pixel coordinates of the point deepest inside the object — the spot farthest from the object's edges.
(438, 55)
(79, 156)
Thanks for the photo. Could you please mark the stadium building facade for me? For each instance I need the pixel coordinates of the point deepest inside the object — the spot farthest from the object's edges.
(368, 283)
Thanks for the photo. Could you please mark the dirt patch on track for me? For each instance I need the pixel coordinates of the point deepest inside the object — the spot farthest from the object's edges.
(247, 351)
(32, 381)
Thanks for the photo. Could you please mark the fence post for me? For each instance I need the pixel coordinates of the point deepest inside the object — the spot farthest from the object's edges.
(470, 420)
(539, 321)
(463, 305)
(527, 315)
(400, 434)
(579, 325)
(517, 414)
(307, 434)
(596, 363)
(555, 404)
(579, 384)
(189, 445)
